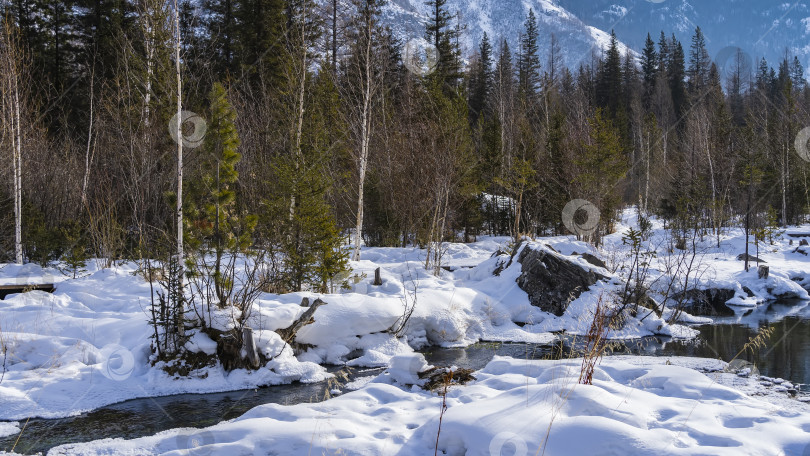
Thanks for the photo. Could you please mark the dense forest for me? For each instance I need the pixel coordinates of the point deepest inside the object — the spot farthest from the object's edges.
(307, 125)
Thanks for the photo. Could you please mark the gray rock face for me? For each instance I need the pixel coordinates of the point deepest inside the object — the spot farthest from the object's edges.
(594, 260)
(741, 257)
(709, 302)
(551, 281)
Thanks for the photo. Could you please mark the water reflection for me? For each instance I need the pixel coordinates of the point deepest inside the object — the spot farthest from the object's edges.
(140, 417)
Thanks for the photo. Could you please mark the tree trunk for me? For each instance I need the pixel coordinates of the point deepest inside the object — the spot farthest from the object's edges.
(18, 254)
(179, 144)
(249, 345)
(288, 334)
(365, 136)
(88, 159)
(299, 131)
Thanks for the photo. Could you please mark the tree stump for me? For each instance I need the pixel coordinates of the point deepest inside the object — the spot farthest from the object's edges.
(249, 345)
(764, 272)
(228, 351)
(377, 278)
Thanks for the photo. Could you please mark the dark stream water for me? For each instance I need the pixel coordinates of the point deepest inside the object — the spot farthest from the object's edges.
(786, 355)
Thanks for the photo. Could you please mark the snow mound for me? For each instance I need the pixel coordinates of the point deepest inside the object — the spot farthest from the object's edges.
(636, 406)
(405, 369)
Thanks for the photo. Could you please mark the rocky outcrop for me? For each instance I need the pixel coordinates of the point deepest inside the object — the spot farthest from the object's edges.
(551, 280)
(594, 260)
(709, 302)
(751, 258)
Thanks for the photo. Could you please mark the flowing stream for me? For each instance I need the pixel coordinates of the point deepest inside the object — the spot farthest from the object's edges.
(786, 355)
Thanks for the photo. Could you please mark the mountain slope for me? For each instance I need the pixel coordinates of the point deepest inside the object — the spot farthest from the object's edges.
(759, 28)
(504, 19)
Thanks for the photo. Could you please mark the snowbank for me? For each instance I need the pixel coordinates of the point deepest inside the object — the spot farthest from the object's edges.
(718, 267)
(87, 344)
(636, 406)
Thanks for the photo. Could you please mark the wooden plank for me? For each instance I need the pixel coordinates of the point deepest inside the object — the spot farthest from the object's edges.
(32, 286)
(6, 290)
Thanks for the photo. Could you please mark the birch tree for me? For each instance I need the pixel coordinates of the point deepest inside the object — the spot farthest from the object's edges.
(179, 140)
(362, 92)
(11, 66)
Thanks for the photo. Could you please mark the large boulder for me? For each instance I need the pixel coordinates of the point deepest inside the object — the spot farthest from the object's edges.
(551, 280)
(751, 258)
(710, 302)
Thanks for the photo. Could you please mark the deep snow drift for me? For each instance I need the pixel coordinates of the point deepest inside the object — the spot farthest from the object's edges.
(636, 406)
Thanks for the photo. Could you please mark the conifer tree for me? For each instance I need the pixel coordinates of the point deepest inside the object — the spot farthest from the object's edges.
(676, 72)
(649, 63)
(609, 79)
(481, 80)
(444, 35)
(602, 162)
(699, 63)
(797, 74)
(213, 219)
(529, 59)
(261, 28)
(309, 239)
(220, 22)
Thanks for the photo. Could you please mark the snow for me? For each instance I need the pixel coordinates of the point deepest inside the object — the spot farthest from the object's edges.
(505, 19)
(9, 428)
(405, 369)
(636, 406)
(87, 345)
(718, 267)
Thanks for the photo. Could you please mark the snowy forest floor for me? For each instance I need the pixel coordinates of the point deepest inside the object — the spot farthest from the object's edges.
(87, 345)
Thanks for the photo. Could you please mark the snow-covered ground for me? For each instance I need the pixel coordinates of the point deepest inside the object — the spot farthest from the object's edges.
(636, 406)
(718, 267)
(87, 345)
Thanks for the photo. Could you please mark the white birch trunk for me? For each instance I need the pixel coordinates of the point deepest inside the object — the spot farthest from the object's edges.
(87, 155)
(18, 254)
(179, 142)
(150, 53)
(365, 137)
(300, 125)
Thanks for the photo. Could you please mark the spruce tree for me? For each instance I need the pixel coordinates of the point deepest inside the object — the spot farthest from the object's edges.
(699, 63)
(609, 79)
(676, 72)
(663, 53)
(260, 31)
(213, 220)
(298, 216)
(797, 74)
(220, 22)
(443, 34)
(481, 80)
(649, 62)
(529, 59)
(602, 163)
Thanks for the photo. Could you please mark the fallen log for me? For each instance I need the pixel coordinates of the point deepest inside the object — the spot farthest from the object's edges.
(288, 334)
(439, 377)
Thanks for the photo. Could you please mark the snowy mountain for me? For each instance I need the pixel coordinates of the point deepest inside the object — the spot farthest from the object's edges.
(759, 28)
(504, 19)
